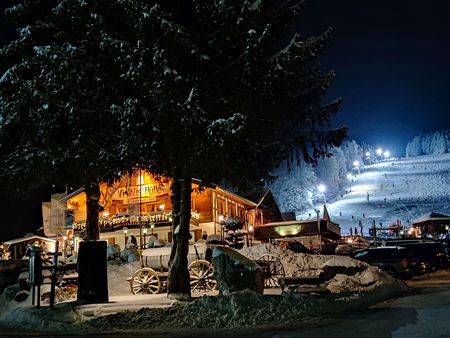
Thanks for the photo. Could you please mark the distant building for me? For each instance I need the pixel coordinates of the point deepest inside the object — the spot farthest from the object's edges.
(433, 225)
(319, 235)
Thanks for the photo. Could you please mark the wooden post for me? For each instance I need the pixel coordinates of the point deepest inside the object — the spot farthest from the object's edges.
(53, 279)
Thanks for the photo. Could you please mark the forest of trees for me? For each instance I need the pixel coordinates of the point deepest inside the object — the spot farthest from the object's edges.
(437, 142)
(296, 187)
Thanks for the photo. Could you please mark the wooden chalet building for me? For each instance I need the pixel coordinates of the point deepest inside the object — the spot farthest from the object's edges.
(317, 234)
(140, 204)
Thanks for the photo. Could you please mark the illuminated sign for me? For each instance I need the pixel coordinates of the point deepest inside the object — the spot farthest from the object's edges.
(288, 230)
(134, 194)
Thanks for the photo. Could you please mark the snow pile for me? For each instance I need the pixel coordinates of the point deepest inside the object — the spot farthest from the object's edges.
(239, 309)
(234, 255)
(362, 286)
(25, 316)
(359, 277)
(295, 264)
(118, 272)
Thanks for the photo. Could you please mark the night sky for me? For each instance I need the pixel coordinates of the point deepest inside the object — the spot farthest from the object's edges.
(392, 60)
(392, 64)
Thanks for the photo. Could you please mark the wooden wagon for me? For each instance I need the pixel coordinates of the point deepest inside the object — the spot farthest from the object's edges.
(152, 277)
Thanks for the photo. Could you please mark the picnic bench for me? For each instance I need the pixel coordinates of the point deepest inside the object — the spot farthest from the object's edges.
(306, 284)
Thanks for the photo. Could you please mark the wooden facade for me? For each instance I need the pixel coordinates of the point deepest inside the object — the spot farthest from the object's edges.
(142, 202)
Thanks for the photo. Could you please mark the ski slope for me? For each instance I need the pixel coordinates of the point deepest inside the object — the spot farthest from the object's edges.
(396, 189)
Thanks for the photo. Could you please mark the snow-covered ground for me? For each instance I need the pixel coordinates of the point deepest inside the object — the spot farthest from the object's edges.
(397, 189)
(384, 192)
(243, 309)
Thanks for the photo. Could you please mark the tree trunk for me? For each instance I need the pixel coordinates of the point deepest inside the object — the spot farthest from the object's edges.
(92, 198)
(178, 286)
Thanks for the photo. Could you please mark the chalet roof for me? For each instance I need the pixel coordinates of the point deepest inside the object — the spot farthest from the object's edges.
(256, 195)
(431, 217)
(28, 238)
(237, 196)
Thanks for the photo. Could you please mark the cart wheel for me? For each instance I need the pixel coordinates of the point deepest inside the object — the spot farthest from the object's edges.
(201, 274)
(144, 281)
(272, 269)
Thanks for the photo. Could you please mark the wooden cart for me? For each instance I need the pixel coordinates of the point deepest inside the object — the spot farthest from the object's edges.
(272, 269)
(152, 278)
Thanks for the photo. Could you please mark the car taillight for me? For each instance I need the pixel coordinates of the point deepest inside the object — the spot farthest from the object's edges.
(405, 262)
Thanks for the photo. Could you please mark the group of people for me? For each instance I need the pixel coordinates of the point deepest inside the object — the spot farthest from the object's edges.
(356, 231)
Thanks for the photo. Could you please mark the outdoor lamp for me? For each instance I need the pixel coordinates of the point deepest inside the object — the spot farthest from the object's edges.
(125, 230)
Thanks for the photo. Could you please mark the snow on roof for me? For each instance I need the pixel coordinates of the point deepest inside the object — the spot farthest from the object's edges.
(432, 216)
(28, 238)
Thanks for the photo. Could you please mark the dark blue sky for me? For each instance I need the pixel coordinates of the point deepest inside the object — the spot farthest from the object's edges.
(392, 60)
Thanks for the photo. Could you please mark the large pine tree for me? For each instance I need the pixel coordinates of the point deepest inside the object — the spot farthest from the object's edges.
(231, 94)
(205, 88)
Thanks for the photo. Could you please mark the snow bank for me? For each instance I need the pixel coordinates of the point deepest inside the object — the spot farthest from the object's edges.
(118, 272)
(295, 264)
(348, 293)
(25, 316)
(239, 309)
(364, 279)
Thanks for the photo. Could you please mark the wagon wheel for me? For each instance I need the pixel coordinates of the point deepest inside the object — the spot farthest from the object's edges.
(201, 275)
(144, 281)
(272, 269)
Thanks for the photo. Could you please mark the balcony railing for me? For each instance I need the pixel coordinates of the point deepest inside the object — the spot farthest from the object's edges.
(159, 218)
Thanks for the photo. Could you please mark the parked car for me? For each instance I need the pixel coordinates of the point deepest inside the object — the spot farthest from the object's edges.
(397, 261)
(431, 255)
(347, 244)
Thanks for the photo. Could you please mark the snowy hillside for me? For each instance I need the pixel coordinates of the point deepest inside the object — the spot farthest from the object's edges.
(397, 189)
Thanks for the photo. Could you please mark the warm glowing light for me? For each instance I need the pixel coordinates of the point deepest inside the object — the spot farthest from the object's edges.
(152, 225)
(221, 218)
(250, 228)
(141, 179)
(125, 230)
(349, 240)
(105, 213)
(161, 207)
(69, 207)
